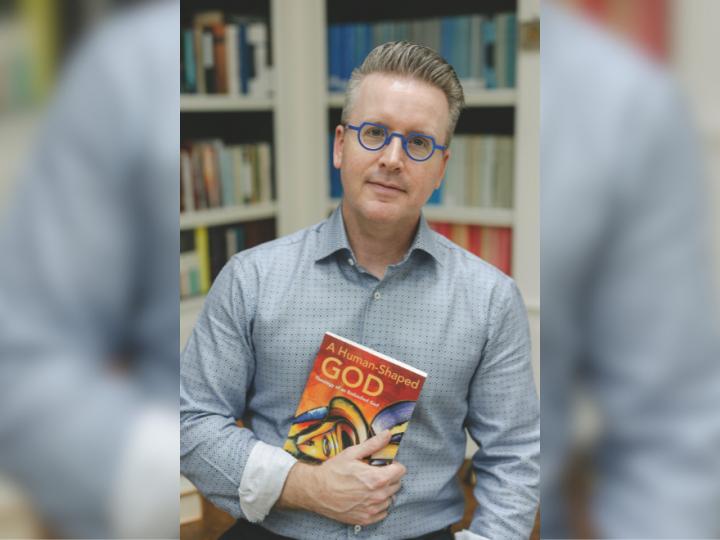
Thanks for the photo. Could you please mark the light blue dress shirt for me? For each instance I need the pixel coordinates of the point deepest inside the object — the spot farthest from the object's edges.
(441, 310)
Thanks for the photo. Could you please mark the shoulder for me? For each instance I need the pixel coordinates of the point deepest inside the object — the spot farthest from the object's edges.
(474, 274)
(261, 260)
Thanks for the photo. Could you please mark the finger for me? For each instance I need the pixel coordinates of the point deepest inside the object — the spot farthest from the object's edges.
(392, 489)
(369, 447)
(380, 507)
(377, 517)
(395, 471)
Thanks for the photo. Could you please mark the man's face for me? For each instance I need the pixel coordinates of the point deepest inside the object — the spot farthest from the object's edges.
(387, 186)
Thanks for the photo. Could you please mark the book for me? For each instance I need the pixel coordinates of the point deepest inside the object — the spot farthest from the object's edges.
(352, 394)
(233, 58)
(220, 57)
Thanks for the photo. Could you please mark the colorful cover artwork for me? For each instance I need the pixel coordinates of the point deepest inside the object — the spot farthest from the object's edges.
(352, 394)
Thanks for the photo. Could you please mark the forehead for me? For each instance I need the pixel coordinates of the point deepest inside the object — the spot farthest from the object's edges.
(401, 103)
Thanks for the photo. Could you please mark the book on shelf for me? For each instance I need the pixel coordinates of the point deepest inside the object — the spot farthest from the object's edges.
(352, 394)
(205, 250)
(226, 55)
(480, 172)
(492, 244)
(481, 48)
(214, 175)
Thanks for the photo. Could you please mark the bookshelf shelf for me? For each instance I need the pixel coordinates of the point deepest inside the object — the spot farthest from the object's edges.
(501, 97)
(230, 214)
(204, 103)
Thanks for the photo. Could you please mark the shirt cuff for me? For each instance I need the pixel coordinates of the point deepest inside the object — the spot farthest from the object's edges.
(263, 480)
(467, 535)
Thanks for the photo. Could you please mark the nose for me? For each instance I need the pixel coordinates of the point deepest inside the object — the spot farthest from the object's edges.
(391, 157)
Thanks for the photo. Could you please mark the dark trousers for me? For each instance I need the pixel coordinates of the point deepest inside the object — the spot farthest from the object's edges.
(244, 530)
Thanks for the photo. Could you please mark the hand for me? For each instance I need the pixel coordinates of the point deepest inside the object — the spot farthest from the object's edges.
(345, 488)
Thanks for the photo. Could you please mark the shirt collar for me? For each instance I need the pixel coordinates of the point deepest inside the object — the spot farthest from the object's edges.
(333, 238)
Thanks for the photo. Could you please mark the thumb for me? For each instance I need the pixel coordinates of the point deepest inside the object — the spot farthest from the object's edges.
(369, 447)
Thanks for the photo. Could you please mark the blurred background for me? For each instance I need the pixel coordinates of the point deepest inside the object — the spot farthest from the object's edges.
(88, 285)
(630, 178)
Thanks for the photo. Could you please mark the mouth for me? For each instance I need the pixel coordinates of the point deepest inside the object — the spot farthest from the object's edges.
(384, 187)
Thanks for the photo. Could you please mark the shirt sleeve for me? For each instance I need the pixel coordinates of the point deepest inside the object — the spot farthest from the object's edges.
(504, 420)
(216, 370)
(467, 535)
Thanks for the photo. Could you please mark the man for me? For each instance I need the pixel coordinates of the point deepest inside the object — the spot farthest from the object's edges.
(375, 273)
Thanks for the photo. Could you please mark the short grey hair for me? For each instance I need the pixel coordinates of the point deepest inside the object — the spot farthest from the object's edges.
(410, 60)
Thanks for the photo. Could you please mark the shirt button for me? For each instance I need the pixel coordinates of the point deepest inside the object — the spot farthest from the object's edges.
(358, 528)
(377, 295)
(351, 262)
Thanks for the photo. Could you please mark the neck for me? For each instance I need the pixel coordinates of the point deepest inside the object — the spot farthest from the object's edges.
(378, 245)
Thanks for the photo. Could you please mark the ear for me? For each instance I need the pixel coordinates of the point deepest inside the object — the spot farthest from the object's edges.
(441, 176)
(338, 145)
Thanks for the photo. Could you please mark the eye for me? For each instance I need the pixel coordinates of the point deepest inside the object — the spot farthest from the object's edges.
(420, 142)
(373, 131)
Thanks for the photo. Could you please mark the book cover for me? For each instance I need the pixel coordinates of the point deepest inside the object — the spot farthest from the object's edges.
(352, 394)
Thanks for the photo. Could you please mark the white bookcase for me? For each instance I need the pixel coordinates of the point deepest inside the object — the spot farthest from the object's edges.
(300, 112)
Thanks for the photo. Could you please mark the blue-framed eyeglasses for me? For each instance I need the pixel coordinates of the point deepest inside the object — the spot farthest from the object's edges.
(418, 146)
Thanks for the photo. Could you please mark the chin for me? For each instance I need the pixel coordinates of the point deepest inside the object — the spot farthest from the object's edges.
(383, 212)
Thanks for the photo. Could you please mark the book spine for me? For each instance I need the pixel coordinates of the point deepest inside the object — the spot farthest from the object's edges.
(265, 171)
(208, 64)
(186, 181)
(511, 50)
(459, 235)
(500, 60)
(199, 191)
(474, 81)
(227, 177)
(488, 37)
(220, 58)
(461, 41)
(259, 85)
(232, 59)
(199, 60)
(190, 70)
(245, 59)
(202, 248)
